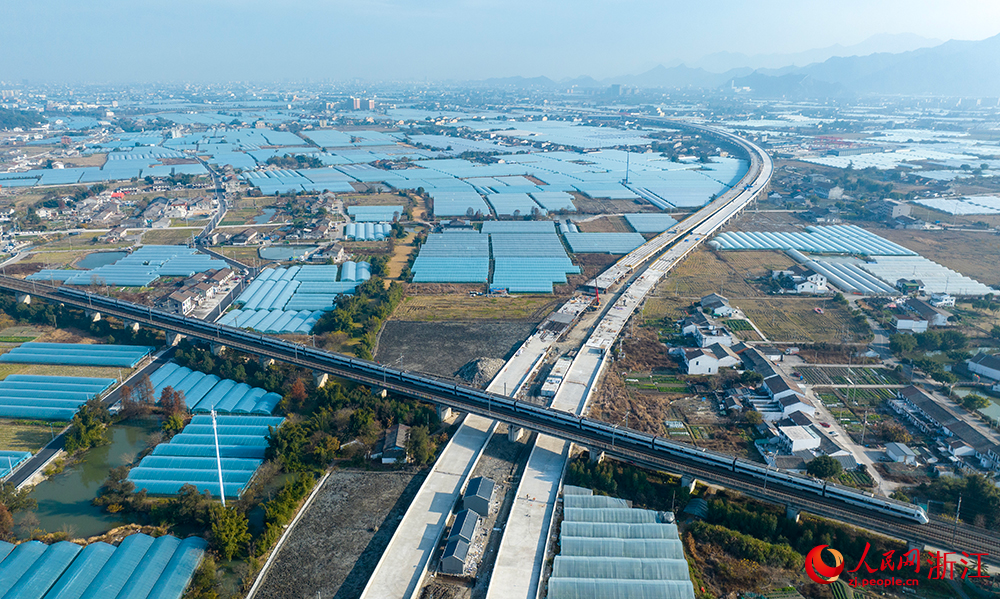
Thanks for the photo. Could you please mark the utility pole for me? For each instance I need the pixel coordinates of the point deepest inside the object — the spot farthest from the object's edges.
(958, 510)
(218, 459)
(864, 428)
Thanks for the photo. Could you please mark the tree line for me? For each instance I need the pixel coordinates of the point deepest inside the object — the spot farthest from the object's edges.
(362, 314)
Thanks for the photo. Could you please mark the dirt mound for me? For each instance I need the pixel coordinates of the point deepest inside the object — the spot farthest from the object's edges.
(480, 371)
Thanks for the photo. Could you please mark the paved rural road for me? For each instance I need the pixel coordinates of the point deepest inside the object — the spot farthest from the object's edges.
(28, 469)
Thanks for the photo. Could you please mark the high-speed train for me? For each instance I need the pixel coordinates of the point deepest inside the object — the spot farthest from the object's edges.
(557, 419)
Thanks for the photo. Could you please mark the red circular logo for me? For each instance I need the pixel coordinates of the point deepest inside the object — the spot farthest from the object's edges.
(817, 569)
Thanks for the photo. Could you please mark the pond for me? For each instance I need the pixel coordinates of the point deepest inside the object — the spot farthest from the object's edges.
(286, 252)
(64, 500)
(264, 218)
(99, 259)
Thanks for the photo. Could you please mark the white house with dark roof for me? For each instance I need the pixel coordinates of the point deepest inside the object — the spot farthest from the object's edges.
(935, 317)
(711, 335)
(779, 387)
(804, 279)
(690, 324)
(987, 365)
(708, 360)
(718, 304)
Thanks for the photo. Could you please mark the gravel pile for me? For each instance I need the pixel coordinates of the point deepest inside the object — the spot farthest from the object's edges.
(480, 371)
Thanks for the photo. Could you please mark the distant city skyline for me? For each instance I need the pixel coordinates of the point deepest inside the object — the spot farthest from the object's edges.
(223, 40)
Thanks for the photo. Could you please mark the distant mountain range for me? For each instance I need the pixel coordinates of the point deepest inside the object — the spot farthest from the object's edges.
(953, 68)
(886, 42)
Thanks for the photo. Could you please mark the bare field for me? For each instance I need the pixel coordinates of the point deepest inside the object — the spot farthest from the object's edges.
(74, 242)
(104, 372)
(767, 221)
(442, 348)
(930, 215)
(592, 265)
(605, 224)
(18, 435)
(973, 254)
(241, 215)
(705, 272)
(585, 205)
(59, 258)
(404, 248)
(336, 545)
(372, 199)
(464, 307)
(167, 236)
(794, 320)
(665, 306)
(246, 255)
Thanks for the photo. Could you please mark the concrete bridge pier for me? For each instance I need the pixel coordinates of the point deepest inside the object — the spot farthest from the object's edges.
(688, 482)
(93, 315)
(173, 338)
(514, 433)
(23, 298)
(132, 326)
(265, 361)
(792, 513)
(217, 349)
(911, 545)
(320, 378)
(596, 455)
(444, 413)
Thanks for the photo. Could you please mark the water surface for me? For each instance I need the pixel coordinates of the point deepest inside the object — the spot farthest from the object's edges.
(64, 501)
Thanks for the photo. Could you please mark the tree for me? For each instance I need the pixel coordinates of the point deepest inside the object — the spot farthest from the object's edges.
(824, 467)
(88, 427)
(975, 401)
(187, 507)
(751, 378)
(172, 402)
(131, 407)
(894, 432)
(16, 501)
(173, 424)
(144, 391)
(324, 448)
(901, 343)
(753, 417)
(419, 445)
(952, 340)
(6, 524)
(363, 423)
(297, 394)
(229, 531)
(204, 581)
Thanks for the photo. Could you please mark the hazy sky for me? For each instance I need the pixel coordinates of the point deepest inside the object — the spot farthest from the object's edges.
(223, 40)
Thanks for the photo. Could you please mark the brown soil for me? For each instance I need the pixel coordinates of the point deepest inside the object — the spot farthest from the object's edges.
(647, 412)
(592, 265)
(585, 205)
(442, 348)
(605, 224)
(336, 545)
(645, 353)
(971, 253)
(767, 221)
